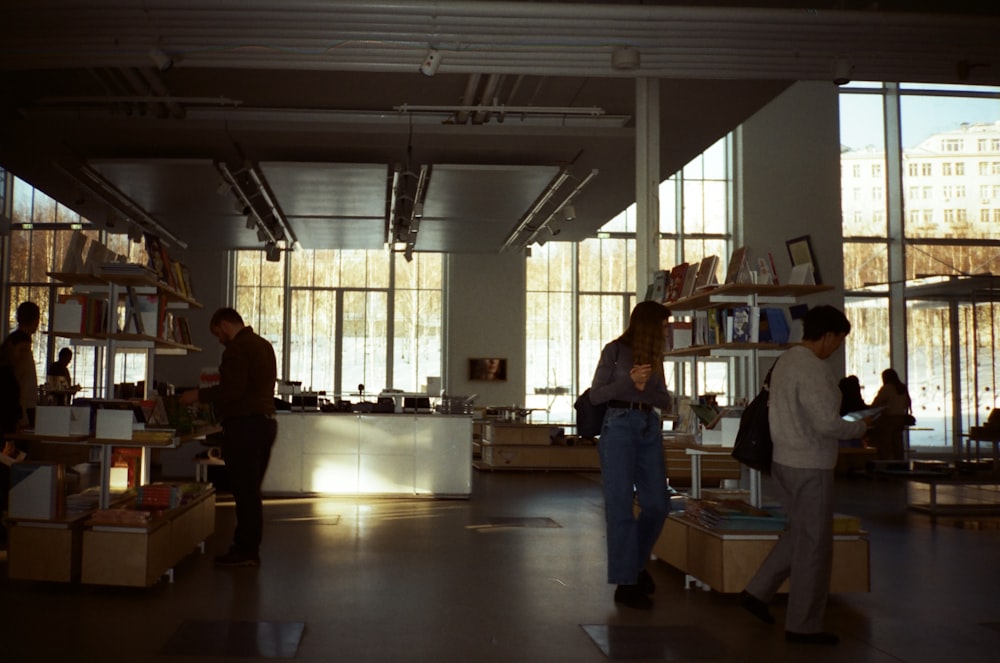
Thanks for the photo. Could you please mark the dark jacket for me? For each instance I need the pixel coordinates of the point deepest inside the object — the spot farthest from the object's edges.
(246, 378)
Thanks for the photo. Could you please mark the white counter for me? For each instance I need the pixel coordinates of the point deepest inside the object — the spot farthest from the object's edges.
(371, 454)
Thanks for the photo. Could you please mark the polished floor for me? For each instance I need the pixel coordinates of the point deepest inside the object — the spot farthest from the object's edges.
(514, 574)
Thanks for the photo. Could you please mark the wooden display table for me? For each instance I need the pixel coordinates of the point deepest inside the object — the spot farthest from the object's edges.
(45, 549)
(139, 556)
(725, 561)
(71, 549)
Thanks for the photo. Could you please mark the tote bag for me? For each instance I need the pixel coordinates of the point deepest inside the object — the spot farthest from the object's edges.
(753, 446)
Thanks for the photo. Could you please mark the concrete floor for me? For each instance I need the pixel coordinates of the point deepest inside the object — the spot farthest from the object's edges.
(514, 574)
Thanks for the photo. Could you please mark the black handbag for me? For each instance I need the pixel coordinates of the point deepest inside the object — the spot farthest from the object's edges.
(589, 417)
(753, 446)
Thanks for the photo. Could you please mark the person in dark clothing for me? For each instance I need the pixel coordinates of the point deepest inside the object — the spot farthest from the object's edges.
(850, 395)
(59, 370)
(15, 352)
(244, 402)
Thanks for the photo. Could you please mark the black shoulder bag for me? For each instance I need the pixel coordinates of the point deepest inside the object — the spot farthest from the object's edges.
(589, 417)
(753, 446)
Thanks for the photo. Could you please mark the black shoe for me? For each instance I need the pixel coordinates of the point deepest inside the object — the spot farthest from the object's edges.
(822, 638)
(645, 582)
(237, 558)
(756, 607)
(631, 596)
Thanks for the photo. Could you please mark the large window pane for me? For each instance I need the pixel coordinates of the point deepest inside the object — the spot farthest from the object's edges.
(417, 333)
(549, 330)
(365, 351)
(951, 173)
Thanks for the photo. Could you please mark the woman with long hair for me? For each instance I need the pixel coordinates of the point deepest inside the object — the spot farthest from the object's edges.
(629, 378)
(887, 436)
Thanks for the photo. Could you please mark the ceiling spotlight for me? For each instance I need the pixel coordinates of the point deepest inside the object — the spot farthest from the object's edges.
(569, 212)
(251, 222)
(418, 210)
(624, 58)
(261, 234)
(431, 62)
(162, 61)
(271, 252)
(135, 233)
(842, 69)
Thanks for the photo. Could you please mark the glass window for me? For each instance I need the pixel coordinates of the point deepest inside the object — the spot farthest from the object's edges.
(341, 333)
(946, 232)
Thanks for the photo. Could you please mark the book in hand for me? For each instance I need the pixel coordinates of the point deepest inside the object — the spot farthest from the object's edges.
(858, 415)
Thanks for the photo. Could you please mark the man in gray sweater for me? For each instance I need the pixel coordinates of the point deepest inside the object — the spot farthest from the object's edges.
(805, 422)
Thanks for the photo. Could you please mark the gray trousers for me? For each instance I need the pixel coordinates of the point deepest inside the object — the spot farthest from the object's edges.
(804, 553)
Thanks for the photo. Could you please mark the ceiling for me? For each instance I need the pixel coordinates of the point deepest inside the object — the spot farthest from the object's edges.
(132, 112)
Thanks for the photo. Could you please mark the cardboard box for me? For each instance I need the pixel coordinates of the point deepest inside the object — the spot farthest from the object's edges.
(114, 424)
(62, 420)
(35, 490)
(495, 432)
(723, 435)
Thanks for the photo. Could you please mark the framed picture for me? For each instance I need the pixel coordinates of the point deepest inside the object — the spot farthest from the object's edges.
(800, 252)
(488, 369)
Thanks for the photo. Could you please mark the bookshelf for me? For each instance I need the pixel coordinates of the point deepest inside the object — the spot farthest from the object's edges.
(742, 357)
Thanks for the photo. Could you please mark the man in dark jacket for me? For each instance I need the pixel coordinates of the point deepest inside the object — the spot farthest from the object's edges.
(244, 402)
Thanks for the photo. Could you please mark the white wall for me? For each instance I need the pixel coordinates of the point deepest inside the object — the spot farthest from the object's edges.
(791, 184)
(485, 318)
(791, 181)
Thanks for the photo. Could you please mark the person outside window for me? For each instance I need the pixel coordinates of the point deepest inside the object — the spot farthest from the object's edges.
(629, 378)
(244, 402)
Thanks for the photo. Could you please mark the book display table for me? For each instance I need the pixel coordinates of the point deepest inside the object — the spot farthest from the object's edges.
(726, 560)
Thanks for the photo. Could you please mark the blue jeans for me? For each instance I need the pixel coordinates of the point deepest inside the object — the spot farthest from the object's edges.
(631, 449)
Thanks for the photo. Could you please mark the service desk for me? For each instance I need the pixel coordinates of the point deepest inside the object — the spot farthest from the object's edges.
(371, 454)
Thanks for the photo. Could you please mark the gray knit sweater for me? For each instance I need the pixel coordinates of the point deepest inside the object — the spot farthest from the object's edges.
(804, 412)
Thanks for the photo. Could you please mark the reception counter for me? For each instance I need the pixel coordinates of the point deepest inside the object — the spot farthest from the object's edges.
(396, 455)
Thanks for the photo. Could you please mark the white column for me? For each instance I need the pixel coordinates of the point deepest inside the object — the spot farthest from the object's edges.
(647, 181)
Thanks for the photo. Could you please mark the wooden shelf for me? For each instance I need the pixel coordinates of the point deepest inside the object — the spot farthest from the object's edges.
(146, 279)
(727, 293)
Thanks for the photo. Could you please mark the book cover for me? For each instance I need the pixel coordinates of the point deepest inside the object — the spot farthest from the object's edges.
(741, 324)
(73, 259)
(706, 272)
(675, 284)
(689, 280)
(778, 328)
(737, 264)
(659, 287)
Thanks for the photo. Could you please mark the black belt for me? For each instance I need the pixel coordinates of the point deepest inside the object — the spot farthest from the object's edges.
(628, 405)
